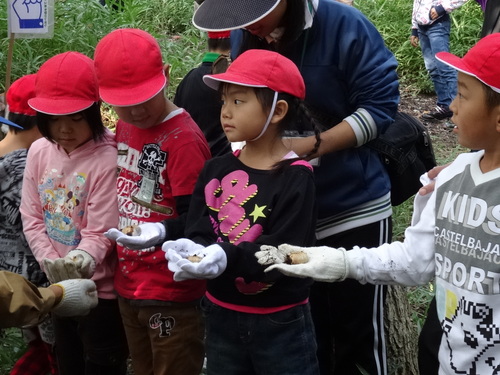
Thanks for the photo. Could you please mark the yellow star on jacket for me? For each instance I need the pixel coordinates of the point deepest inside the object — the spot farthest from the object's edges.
(258, 212)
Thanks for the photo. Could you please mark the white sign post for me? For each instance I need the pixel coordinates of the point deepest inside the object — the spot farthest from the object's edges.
(28, 19)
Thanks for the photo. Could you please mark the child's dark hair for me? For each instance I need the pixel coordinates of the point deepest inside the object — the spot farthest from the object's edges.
(297, 119)
(219, 44)
(492, 97)
(25, 121)
(92, 115)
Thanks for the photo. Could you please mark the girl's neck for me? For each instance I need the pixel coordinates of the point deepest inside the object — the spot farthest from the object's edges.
(263, 154)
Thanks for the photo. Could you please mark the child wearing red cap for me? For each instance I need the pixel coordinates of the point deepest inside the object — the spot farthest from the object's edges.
(203, 103)
(263, 194)
(68, 201)
(23, 131)
(455, 230)
(161, 151)
(15, 254)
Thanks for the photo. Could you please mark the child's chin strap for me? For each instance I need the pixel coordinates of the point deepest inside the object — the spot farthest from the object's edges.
(271, 113)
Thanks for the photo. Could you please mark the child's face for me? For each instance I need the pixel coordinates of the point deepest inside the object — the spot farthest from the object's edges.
(69, 131)
(269, 23)
(242, 116)
(475, 122)
(147, 114)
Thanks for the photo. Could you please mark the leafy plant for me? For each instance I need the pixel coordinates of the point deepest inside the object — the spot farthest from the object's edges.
(393, 19)
(12, 346)
(79, 25)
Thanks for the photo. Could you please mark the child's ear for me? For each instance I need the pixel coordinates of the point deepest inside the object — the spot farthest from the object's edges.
(497, 118)
(280, 111)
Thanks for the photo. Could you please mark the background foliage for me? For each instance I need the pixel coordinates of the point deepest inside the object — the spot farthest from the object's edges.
(80, 24)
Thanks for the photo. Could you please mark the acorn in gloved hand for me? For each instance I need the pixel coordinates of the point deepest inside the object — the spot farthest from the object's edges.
(324, 263)
(78, 264)
(144, 237)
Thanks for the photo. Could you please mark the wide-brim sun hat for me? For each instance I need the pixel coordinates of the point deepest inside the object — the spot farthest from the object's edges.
(221, 15)
(261, 68)
(129, 67)
(482, 61)
(18, 94)
(65, 84)
(3, 120)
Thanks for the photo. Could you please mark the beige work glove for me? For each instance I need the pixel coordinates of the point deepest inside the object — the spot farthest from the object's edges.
(78, 264)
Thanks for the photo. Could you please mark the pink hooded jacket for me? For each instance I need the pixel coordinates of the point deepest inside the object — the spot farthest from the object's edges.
(69, 201)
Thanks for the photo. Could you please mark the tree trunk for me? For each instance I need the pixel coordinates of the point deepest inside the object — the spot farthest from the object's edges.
(401, 333)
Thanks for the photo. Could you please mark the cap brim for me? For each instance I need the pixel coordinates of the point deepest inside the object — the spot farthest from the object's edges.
(459, 64)
(455, 62)
(214, 81)
(223, 15)
(59, 107)
(126, 97)
(3, 120)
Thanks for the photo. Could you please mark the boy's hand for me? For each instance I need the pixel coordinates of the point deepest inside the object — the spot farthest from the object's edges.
(325, 263)
(148, 236)
(210, 261)
(269, 255)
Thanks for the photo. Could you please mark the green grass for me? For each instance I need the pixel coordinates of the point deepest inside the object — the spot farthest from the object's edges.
(393, 19)
(80, 24)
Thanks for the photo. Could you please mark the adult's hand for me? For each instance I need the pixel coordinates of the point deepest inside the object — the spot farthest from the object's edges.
(432, 174)
(79, 296)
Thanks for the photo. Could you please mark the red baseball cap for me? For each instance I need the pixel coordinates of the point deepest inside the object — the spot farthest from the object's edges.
(482, 61)
(261, 68)
(219, 34)
(19, 93)
(65, 84)
(129, 67)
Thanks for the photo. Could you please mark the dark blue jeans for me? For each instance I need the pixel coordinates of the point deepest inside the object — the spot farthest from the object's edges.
(433, 39)
(94, 344)
(281, 343)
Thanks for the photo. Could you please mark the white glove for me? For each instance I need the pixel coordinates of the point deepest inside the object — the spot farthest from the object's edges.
(325, 263)
(184, 246)
(213, 261)
(148, 235)
(76, 265)
(79, 297)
